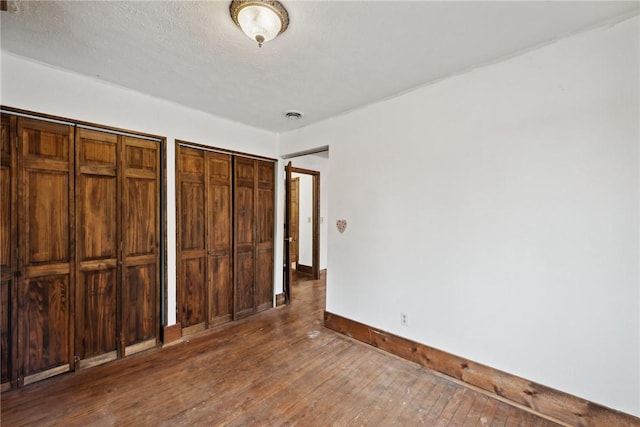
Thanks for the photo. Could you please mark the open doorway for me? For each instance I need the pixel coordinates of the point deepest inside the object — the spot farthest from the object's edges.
(305, 229)
(305, 222)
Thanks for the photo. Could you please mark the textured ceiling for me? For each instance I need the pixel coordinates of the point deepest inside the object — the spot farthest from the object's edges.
(335, 56)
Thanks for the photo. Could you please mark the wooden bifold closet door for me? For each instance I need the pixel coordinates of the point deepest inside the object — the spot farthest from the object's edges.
(98, 243)
(46, 249)
(80, 247)
(117, 245)
(205, 295)
(8, 255)
(225, 237)
(253, 235)
(140, 244)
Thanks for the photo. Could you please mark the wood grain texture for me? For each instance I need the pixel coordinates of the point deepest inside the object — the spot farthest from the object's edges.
(244, 237)
(46, 206)
(46, 323)
(304, 269)
(191, 211)
(97, 238)
(141, 242)
(278, 368)
(8, 251)
(6, 347)
(295, 222)
(219, 193)
(265, 228)
(171, 334)
(544, 400)
(204, 194)
(62, 189)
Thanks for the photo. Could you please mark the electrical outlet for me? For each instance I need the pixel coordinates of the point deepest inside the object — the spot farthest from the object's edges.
(404, 319)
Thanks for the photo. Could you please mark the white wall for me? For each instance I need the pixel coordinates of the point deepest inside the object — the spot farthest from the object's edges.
(40, 88)
(499, 209)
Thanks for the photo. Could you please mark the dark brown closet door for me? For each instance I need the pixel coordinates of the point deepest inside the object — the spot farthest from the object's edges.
(8, 234)
(46, 244)
(265, 218)
(141, 237)
(219, 228)
(192, 292)
(244, 241)
(97, 246)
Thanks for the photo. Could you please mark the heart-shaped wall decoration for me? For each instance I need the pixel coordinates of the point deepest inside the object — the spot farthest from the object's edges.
(342, 225)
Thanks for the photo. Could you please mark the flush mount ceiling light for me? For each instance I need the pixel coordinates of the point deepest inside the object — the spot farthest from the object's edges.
(261, 20)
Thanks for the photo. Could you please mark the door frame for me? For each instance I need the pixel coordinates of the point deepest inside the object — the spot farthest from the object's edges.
(315, 224)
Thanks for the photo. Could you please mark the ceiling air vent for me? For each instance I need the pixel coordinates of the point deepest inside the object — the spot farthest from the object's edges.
(293, 115)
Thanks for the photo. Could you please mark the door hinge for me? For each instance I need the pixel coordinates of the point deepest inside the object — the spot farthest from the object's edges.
(76, 358)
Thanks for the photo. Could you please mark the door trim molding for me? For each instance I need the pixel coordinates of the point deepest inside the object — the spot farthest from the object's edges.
(4, 109)
(188, 144)
(315, 251)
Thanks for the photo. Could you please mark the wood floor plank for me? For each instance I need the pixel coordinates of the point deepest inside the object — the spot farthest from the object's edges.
(408, 393)
(500, 416)
(279, 368)
(391, 387)
(412, 412)
(453, 403)
(476, 411)
(463, 410)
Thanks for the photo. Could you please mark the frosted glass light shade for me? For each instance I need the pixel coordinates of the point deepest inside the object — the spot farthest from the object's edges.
(260, 20)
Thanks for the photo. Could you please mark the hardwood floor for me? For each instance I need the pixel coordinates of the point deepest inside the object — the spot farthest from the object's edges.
(279, 368)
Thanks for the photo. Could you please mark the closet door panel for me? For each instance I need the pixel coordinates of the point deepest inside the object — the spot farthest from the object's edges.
(221, 282)
(46, 325)
(244, 237)
(140, 216)
(219, 208)
(140, 306)
(244, 297)
(8, 236)
(96, 303)
(47, 217)
(265, 218)
(192, 292)
(46, 248)
(97, 205)
(193, 213)
(6, 324)
(140, 236)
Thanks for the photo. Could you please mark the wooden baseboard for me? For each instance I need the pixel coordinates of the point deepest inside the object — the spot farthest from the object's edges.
(193, 329)
(171, 333)
(280, 299)
(304, 269)
(550, 403)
